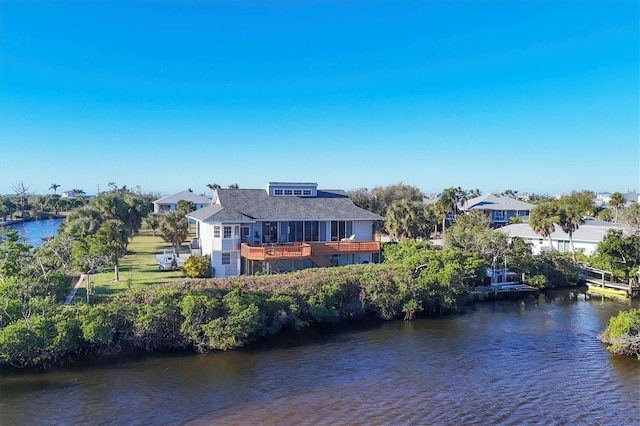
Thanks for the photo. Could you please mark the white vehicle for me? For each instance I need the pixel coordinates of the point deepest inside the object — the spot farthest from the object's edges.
(168, 260)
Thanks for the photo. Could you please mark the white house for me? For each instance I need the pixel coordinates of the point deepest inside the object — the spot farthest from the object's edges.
(168, 204)
(586, 238)
(286, 226)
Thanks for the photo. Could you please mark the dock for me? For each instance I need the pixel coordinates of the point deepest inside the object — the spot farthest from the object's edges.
(603, 282)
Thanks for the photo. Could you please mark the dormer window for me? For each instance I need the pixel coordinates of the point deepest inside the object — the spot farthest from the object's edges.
(292, 189)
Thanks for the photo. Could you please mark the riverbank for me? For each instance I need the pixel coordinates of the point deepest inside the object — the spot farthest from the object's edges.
(30, 219)
(439, 370)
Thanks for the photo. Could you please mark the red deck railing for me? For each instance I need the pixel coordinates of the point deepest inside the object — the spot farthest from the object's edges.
(305, 250)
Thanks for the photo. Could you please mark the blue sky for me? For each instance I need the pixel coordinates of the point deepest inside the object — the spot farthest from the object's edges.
(534, 96)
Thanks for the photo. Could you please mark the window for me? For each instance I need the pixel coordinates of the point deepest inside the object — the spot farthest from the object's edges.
(306, 192)
(236, 231)
(288, 192)
(216, 231)
(341, 229)
(311, 231)
(277, 192)
(296, 231)
(226, 258)
(227, 232)
(297, 192)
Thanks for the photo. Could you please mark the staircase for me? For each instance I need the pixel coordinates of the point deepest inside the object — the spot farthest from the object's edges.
(320, 261)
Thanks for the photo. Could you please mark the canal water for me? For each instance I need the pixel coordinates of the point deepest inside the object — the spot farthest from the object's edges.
(506, 363)
(35, 231)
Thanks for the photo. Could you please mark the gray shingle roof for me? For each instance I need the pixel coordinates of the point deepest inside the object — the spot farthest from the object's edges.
(241, 205)
(496, 202)
(184, 195)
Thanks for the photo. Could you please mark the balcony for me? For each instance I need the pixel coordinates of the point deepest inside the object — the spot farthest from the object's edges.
(275, 251)
(306, 250)
(344, 247)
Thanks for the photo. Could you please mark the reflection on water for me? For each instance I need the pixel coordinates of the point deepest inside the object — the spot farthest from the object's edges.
(501, 363)
(36, 230)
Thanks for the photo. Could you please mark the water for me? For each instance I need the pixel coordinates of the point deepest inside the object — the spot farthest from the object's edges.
(36, 230)
(507, 363)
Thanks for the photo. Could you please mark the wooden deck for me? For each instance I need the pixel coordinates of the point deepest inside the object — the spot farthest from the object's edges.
(307, 250)
(603, 282)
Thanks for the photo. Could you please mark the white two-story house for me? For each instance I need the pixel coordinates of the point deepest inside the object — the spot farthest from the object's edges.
(286, 226)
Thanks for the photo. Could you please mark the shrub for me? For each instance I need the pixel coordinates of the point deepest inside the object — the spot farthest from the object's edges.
(197, 267)
(623, 333)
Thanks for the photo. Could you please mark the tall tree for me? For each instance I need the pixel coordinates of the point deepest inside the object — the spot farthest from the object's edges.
(114, 237)
(461, 197)
(213, 187)
(383, 197)
(174, 228)
(446, 204)
(7, 207)
(570, 219)
(618, 253)
(184, 207)
(616, 201)
(22, 192)
(152, 221)
(55, 187)
(631, 216)
(407, 219)
(542, 220)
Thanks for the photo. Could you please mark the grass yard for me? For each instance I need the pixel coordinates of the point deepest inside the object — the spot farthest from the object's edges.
(138, 268)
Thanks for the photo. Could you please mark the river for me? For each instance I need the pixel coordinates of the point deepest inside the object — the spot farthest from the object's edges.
(506, 362)
(34, 231)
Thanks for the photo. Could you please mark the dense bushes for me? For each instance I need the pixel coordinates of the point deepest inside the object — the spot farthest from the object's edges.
(219, 314)
(225, 313)
(622, 335)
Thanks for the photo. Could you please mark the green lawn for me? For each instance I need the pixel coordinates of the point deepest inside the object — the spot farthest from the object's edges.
(138, 268)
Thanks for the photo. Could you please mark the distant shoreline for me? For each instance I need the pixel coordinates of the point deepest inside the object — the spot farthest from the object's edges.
(4, 223)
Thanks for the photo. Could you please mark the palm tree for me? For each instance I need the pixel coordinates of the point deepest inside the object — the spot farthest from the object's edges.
(174, 228)
(446, 204)
(461, 199)
(152, 221)
(570, 219)
(543, 217)
(213, 187)
(55, 187)
(407, 219)
(616, 201)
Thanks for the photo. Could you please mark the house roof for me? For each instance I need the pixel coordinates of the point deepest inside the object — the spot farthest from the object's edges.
(184, 195)
(587, 232)
(241, 205)
(496, 202)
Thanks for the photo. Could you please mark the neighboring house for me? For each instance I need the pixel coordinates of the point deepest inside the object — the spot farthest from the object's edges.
(586, 238)
(602, 199)
(499, 208)
(285, 227)
(168, 204)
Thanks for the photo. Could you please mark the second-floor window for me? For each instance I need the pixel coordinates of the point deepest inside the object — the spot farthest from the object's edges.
(227, 232)
(216, 231)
